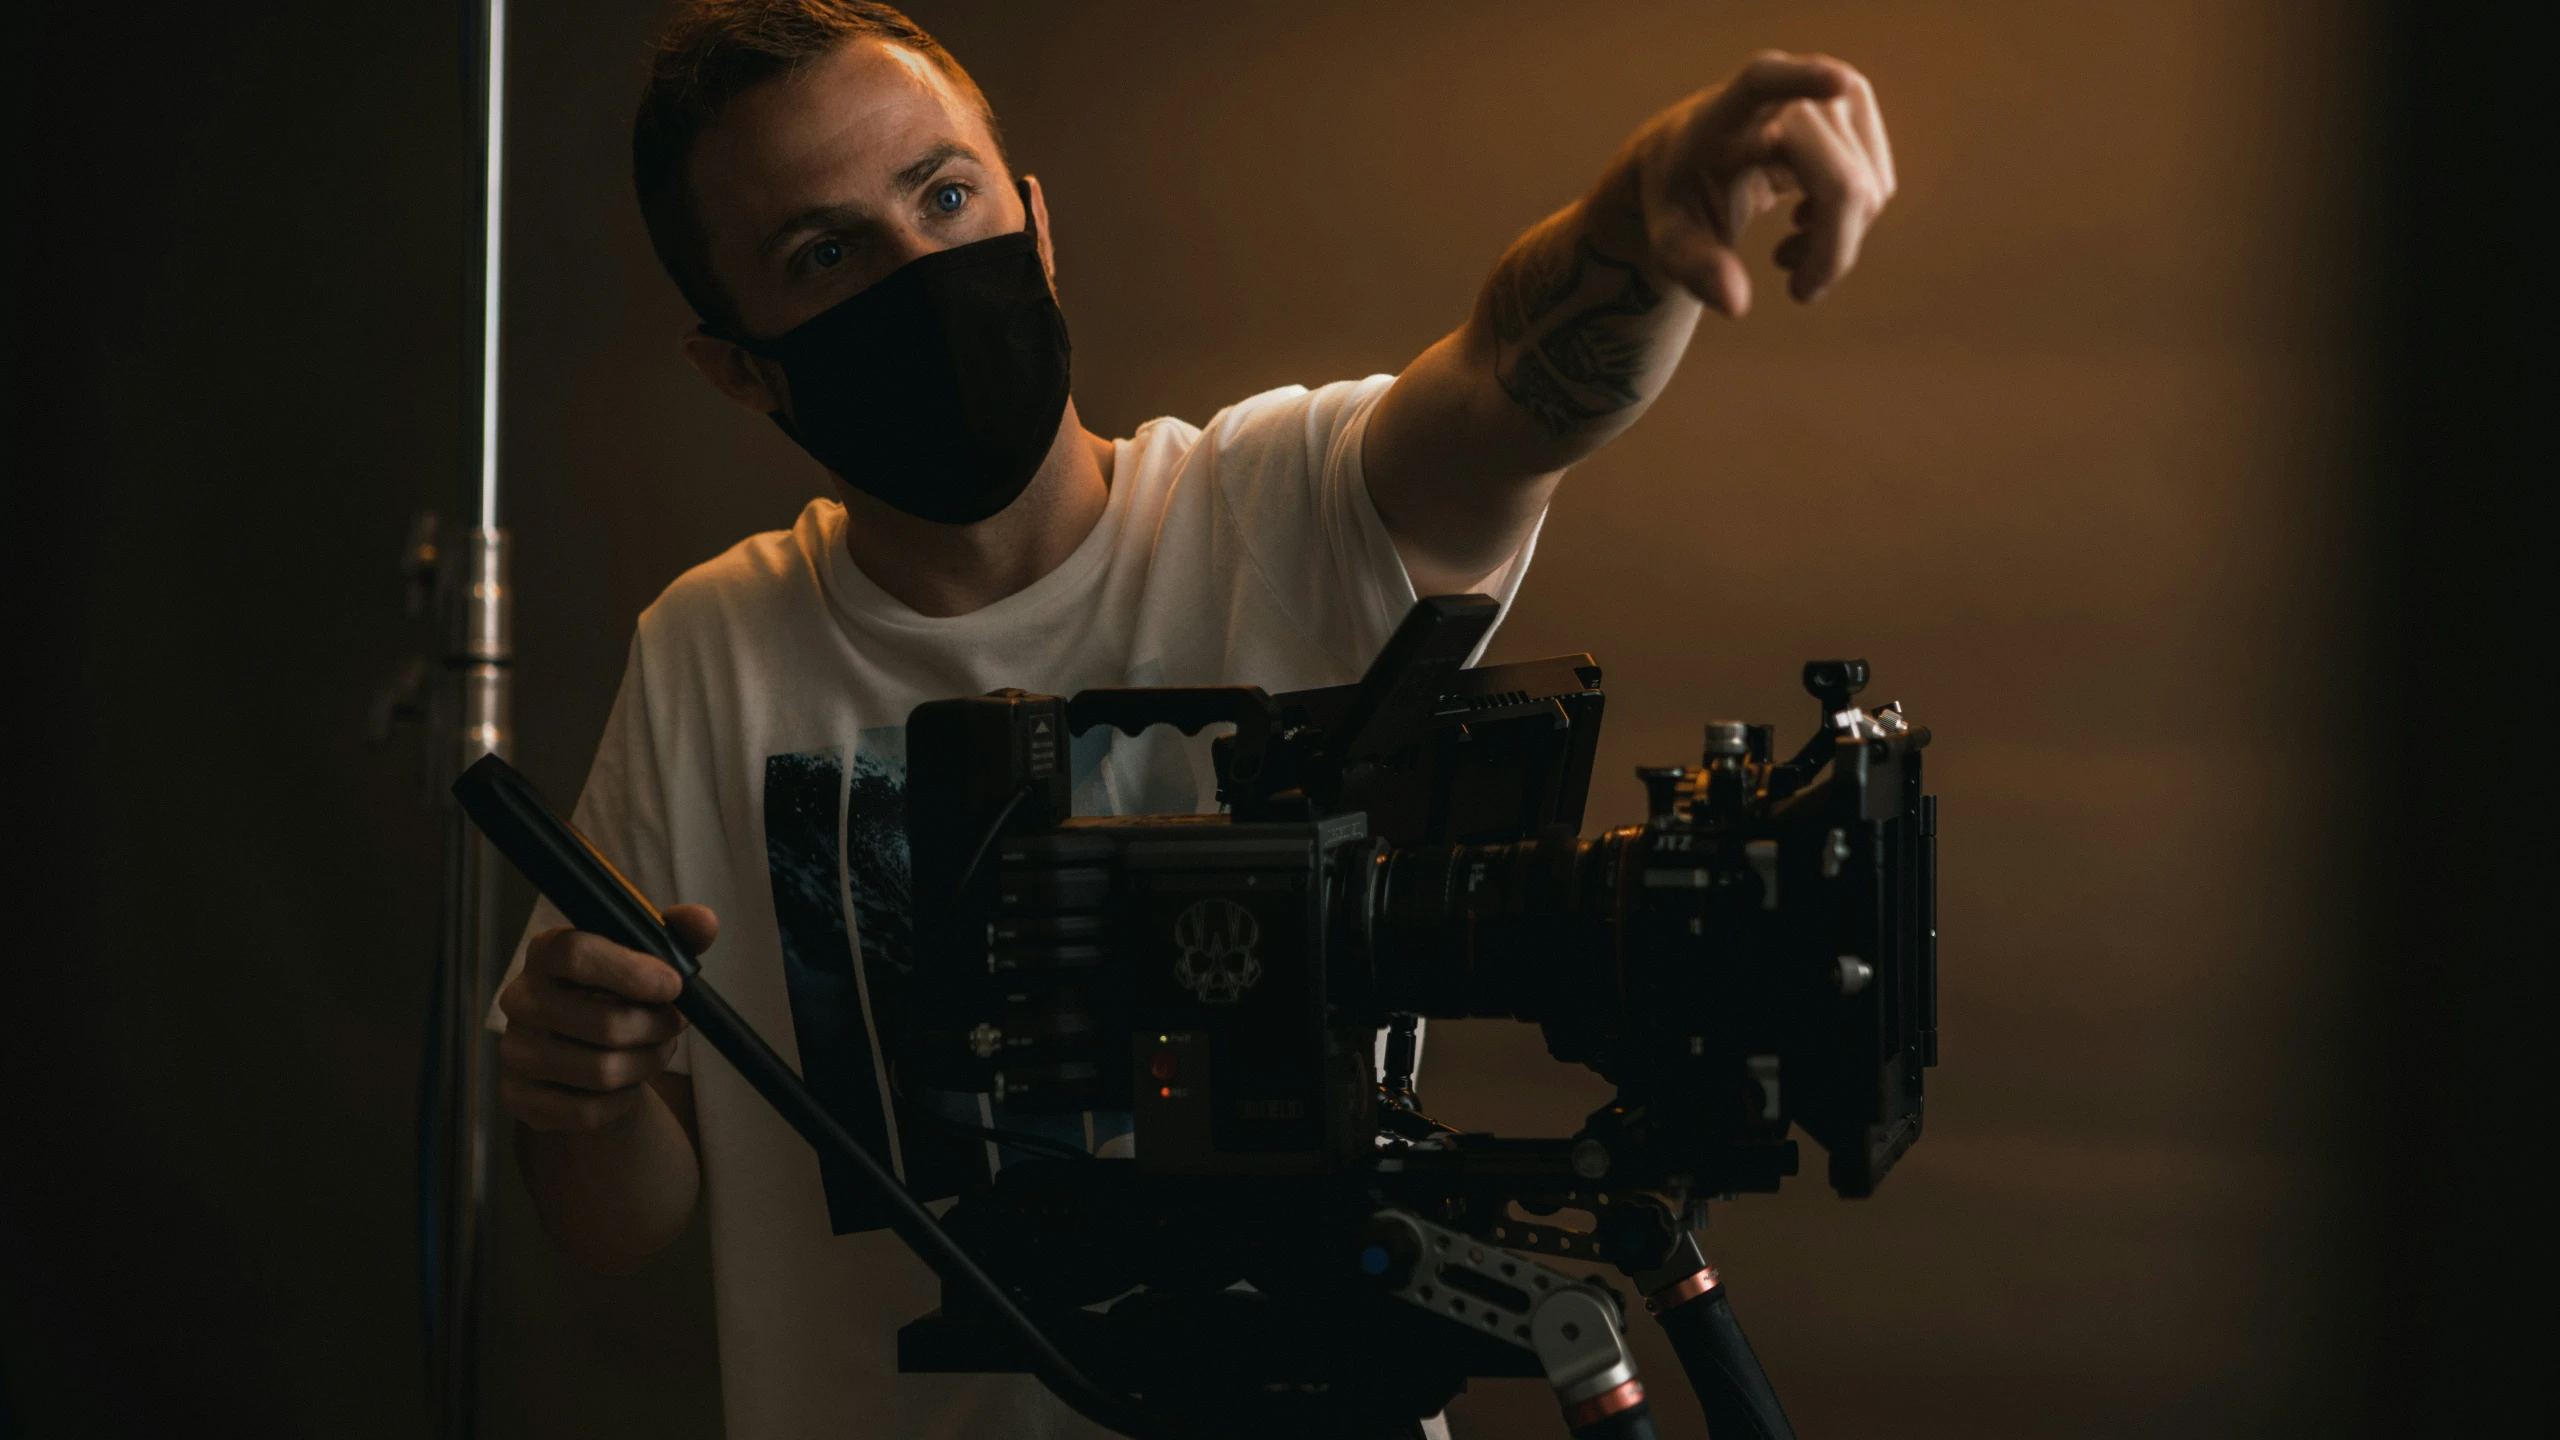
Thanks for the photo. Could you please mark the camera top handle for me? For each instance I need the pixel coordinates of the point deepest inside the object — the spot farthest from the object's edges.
(1389, 710)
(1187, 708)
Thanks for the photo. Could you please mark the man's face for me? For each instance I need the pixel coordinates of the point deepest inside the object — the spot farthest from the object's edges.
(817, 186)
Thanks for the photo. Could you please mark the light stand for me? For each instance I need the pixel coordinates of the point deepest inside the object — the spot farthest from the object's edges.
(457, 578)
(476, 675)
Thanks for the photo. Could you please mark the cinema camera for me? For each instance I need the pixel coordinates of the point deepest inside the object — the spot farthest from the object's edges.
(1296, 1248)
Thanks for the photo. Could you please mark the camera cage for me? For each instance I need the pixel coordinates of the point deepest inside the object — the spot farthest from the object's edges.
(1441, 769)
(1332, 1261)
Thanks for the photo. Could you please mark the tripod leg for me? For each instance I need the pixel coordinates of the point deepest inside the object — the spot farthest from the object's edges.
(1732, 1388)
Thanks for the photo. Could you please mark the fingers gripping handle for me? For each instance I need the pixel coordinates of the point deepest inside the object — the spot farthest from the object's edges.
(1731, 1386)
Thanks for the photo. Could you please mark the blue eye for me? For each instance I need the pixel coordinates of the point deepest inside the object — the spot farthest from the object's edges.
(950, 198)
(826, 253)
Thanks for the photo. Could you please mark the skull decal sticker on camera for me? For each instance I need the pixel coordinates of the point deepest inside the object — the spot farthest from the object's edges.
(1216, 937)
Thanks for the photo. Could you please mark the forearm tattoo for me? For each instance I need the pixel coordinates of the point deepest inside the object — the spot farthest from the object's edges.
(1568, 344)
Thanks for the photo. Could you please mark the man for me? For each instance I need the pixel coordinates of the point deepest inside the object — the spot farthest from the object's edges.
(827, 187)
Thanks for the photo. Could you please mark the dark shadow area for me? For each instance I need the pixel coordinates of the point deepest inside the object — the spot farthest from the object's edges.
(2442, 1279)
(236, 368)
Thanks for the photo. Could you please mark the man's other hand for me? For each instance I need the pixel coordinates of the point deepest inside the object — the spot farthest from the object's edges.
(590, 1025)
(1802, 125)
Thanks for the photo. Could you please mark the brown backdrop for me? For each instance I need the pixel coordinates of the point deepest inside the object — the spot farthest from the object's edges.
(2053, 460)
(2064, 460)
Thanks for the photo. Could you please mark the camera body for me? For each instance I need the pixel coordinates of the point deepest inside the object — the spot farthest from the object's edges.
(1759, 955)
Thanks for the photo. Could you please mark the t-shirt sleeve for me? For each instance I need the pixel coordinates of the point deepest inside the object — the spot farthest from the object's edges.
(1289, 477)
(623, 811)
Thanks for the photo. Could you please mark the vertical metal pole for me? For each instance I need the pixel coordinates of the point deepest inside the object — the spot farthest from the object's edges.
(477, 663)
(493, 195)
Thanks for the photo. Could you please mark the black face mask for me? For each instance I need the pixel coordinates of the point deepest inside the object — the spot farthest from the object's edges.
(939, 389)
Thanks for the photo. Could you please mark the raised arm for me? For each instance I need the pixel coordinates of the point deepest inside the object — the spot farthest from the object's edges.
(1584, 318)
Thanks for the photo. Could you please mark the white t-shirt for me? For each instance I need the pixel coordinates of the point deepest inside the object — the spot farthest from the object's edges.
(754, 762)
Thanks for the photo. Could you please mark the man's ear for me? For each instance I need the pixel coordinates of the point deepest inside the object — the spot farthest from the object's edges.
(748, 380)
(1037, 202)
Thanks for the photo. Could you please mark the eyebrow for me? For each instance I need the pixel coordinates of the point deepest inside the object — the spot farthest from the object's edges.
(924, 166)
(842, 216)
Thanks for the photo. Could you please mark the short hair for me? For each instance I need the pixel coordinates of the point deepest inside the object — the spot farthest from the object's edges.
(712, 52)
